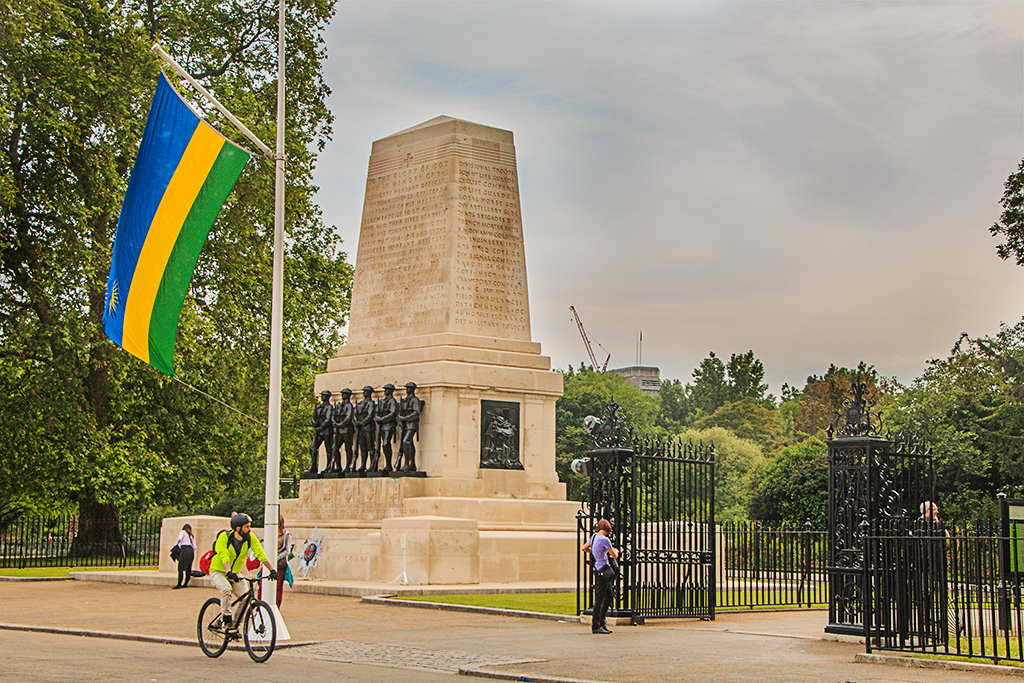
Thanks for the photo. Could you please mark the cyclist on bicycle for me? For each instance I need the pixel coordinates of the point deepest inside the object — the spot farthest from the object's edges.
(230, 553)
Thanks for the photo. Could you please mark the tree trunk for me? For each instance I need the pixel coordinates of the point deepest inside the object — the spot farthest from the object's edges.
(99, 531)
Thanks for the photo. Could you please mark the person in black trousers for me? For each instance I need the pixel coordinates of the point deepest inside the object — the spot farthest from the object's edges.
(604, 574)
(187, 551)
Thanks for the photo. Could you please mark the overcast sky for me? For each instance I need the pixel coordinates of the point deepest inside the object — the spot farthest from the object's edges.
(810, 180)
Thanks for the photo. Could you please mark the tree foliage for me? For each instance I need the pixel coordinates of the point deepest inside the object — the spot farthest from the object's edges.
(709, 389)
(98, 427)
(969, 407)
(746, 377)
(716, 383)
(772, 463)
(748, 419)
(792, 486)
(1010, 226)
(674, 405)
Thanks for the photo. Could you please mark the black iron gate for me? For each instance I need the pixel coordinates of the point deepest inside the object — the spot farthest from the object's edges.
(879, 584)
(659, 498)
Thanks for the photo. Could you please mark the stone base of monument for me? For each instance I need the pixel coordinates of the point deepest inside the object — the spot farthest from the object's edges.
(442, 550)
(457, 531)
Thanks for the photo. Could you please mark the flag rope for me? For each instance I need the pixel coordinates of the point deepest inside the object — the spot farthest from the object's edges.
(214, 398)
(213, 100)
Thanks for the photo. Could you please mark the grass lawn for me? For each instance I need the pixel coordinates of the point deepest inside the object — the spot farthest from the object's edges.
(48, 572)
(989, 650)
(548, 603)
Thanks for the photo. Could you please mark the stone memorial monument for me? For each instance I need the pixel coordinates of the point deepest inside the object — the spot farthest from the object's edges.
(440, 303)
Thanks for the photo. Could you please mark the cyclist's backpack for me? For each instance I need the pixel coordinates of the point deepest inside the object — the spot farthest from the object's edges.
(204, 561)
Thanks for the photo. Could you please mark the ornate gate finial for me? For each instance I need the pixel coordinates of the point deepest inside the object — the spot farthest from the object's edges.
(857, 415)
(605, 433)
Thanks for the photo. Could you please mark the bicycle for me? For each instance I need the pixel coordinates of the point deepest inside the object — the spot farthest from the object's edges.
(258, 627)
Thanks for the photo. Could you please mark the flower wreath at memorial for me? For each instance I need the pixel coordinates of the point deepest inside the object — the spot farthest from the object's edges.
(311, 550)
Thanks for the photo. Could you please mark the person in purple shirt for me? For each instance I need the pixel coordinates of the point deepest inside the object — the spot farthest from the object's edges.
(604, 575)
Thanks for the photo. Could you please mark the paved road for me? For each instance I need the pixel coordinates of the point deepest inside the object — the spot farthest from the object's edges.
(51, 658)
(413, 645)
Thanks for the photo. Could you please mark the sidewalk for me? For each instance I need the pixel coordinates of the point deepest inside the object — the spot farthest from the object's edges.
(766, 646)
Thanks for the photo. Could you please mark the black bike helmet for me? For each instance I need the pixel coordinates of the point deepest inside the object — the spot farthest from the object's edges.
(240, 520)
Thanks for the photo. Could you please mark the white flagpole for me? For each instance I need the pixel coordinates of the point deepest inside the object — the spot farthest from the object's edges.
(271, 504)
(271, 507)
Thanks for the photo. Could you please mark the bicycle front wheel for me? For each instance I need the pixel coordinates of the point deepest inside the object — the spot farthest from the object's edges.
(260, 631)
(212, 638)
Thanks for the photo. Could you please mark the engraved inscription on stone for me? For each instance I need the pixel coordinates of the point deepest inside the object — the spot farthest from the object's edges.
(441, 241)
(354, 499)
(499, 435)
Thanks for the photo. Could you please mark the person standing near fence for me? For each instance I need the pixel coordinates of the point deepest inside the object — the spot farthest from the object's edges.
(604, 574)
(284, 549)
(930, 560)
(186, 544)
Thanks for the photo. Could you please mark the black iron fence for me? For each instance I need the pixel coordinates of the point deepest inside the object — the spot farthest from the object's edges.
(764, 565)
(948, 592)
(58, 541)
(772, 564)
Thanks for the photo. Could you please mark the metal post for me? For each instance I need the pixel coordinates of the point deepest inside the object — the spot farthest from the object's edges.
(806, 579)
(865, 586)
(1004, 562)
(712, 538)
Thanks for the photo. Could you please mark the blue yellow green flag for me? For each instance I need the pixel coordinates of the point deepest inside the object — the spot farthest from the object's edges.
(182, 176)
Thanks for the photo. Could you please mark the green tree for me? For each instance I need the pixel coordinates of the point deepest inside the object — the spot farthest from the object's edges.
(716, 383)
(792, 486)
(101, 430)
(746, 377)
(674, 405)
(1011, 224)
(709, 389)
(748, 419)
(969, 407)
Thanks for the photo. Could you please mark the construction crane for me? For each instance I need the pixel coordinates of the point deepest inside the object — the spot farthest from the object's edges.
(586, 342)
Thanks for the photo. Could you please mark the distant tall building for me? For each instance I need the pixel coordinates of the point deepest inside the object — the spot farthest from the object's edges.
(646, 378)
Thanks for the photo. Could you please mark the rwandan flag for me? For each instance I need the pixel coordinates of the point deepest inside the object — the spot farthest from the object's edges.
(182, 176)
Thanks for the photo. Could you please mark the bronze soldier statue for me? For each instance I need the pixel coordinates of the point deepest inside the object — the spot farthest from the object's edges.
(343, 419)
(321, 433)
(409, 417)
(387, 423)
(365, 443)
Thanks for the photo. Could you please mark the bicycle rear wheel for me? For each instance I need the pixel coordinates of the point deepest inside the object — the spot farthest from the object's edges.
(212, 638)
(260, 631)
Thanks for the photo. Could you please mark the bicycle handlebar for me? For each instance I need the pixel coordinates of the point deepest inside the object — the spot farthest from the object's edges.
(258, 577)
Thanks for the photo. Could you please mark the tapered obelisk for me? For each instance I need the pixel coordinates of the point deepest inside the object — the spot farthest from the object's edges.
(441, 243)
